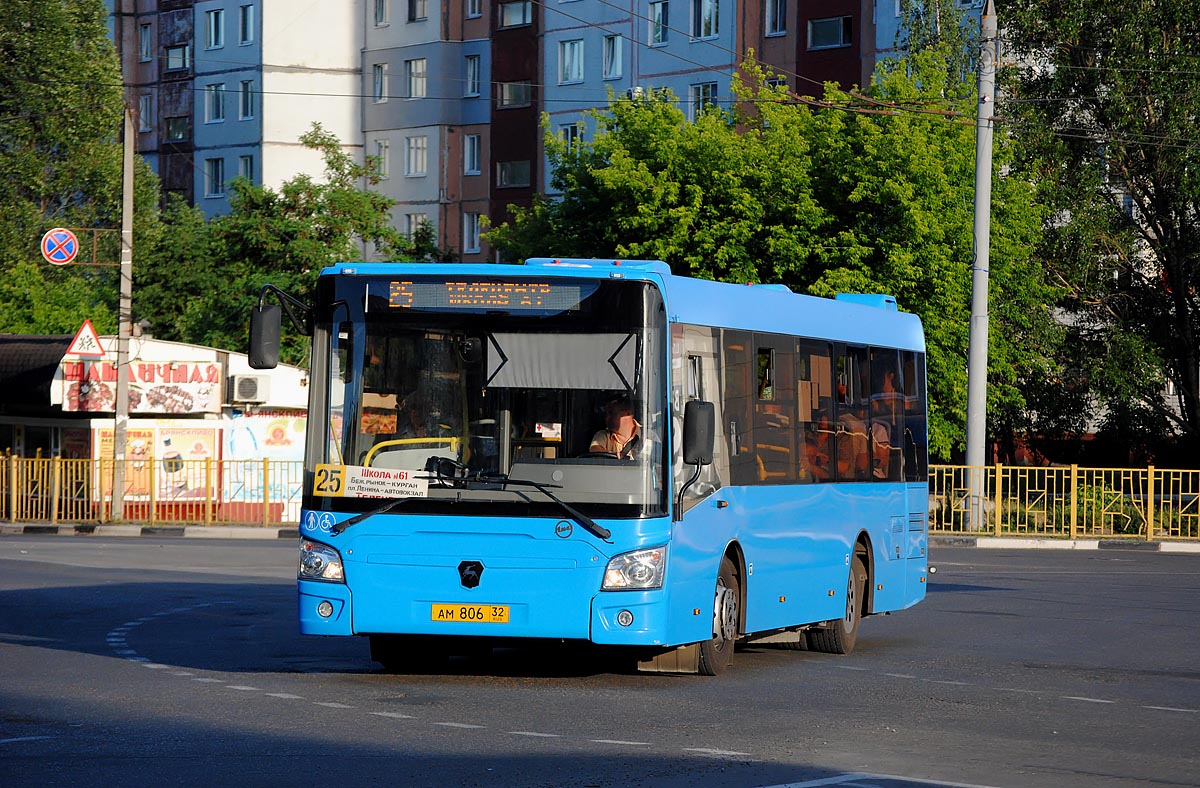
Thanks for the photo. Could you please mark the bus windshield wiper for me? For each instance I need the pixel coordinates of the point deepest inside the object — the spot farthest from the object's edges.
(588, 523)
(358, 518)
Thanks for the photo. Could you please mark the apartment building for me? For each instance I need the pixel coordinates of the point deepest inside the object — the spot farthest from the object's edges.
(447, 94)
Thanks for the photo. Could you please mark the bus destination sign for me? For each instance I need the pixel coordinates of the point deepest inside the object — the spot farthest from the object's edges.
(484, 294)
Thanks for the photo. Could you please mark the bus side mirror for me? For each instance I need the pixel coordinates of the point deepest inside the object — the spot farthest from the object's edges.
(699, 432)
(264, 336)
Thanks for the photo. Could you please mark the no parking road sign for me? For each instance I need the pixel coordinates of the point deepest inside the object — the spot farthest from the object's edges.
(59, 246)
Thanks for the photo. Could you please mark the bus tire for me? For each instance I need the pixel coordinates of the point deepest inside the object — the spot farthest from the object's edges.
(841, 636)
(716, 653)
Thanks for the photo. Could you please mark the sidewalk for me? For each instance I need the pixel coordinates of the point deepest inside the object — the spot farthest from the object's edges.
(293, 532)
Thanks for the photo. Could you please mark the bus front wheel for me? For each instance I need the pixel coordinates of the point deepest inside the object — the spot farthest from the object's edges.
(716, 653)
(840, 637)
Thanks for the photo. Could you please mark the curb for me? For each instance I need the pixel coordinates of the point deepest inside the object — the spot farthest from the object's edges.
(1017, 543)
(167, 531)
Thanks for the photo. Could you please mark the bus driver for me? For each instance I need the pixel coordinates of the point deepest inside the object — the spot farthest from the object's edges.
(622, 435)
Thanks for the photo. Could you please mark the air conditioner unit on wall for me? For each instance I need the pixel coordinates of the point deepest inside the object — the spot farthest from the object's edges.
(249, 388)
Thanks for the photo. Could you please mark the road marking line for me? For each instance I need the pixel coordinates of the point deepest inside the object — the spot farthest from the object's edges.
(1172, 708)
(209, 681)
(538, 735)
(458, 725)
(243, 687)
(395, 715)
(899, 675)
(155, 666)
(284, 695)
(182, 673)
(332, 705)
(951, 683)
(711, 751)
(1086, 700)
(619, 741)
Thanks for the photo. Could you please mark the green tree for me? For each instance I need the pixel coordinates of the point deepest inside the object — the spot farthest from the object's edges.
(849, 193)
(1105, 100)
(203, 284)
(60, 116)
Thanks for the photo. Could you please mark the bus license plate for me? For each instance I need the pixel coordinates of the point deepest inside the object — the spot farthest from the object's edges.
(478, 614)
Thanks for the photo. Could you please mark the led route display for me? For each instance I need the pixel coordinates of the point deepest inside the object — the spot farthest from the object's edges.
(482, 294)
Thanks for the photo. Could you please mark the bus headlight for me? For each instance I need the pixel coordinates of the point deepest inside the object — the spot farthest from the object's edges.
(640, 569)
(320, 562)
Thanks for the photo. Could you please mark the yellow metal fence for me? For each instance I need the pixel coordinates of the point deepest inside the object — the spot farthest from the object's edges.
(1067, 502)
(1062, 502)
(156, 491)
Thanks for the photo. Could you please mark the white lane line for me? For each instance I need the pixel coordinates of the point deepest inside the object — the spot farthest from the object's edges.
(620, 741)
(181, 673)
(536, 734)
(331, 705)
(1172, 708)
(951, 683)
(850, 667)
(17, 739)
(284, 695)
(854, 778)
(719, 753)
(900, 675)
(1087, 700)
(209, 681)
(458, 725)
(243, 688)
(155, 666)
(394, 715)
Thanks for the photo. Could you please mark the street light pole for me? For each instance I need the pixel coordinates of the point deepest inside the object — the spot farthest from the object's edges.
(125, 315)
(977, 357)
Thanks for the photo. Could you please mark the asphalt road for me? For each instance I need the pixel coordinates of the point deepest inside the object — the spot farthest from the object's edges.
(154, 662)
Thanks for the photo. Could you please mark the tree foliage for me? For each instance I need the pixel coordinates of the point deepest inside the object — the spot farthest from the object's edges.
(60, 116)
(1106, 99)
(850, 193)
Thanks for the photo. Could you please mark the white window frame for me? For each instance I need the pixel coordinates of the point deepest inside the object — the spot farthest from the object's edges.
(245, 25)
(834, 27)
(508, 174)
(145, 113)
(776, 17)
(214, 103)
(382, 13)
(246, 167)
(246, 99)
(470, 232)
(418, 10)
(571, 134)
(570, 61)
(471, 154)
(145, 43)
(700, 95)
(514, 94)
(706, 18)
(473, 79)
(523, 10)
(214, 28)
(416, 156)
(614, 56)
(474, 9)
(185, 50)
(383, 155)
(214, 177)
(379, 83)
(413, 222)
(658, 21)
(416, 77)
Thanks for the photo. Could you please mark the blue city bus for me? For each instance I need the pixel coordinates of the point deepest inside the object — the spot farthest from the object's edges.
(468, 480)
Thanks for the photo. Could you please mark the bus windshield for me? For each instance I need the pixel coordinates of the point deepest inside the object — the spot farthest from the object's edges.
(490, 389)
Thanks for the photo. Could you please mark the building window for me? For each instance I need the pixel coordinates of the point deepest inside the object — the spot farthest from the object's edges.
(246, 24)
(413, 222)
(383, 154)
(214, 177)
(776, 17)
(515, 14)
(473, 81)
(145, 113)
(381, 13)
(515, 94)
(417, 10)
(414, 75)
(178, 128)
(702, 95)
(570, 61)
(246, 108)
(512, 173)
(379, 83)
(179, 57)
(214, 29)
(474, 8)
(705, 15)
(417, 151)
(471, 154)
(659, 22)
(830, 33)
(145, 43)
(214, 103)
(246, 168)
(570, 134)
(612, 57)
(470, 232)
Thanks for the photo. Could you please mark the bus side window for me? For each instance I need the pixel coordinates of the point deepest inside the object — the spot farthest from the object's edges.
(814, 411)
(887, 415)
(853, 442)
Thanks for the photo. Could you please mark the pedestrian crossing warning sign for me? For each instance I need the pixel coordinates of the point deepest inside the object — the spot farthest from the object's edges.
(86, 343)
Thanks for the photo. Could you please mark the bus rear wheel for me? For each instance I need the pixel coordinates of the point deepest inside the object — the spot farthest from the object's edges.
(716, 653)
(841, 636)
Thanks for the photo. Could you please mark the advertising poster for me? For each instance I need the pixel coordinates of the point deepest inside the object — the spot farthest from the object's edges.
(175, 387)
(276, 435)
(139, 452)
(181, 467)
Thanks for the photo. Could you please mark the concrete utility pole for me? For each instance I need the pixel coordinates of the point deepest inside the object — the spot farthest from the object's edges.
(125, 315)
(977, 361)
